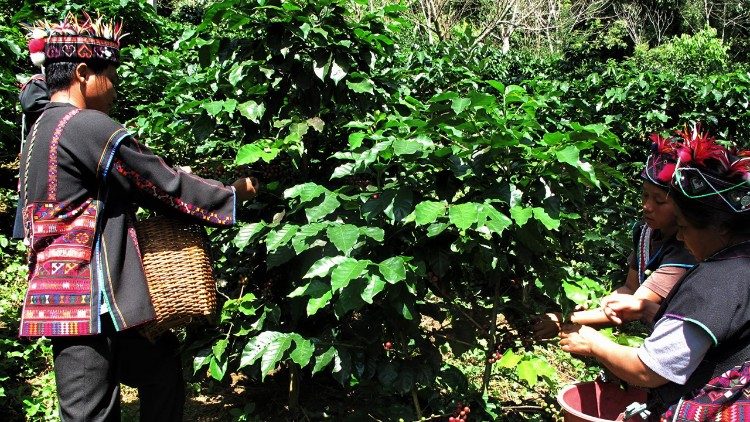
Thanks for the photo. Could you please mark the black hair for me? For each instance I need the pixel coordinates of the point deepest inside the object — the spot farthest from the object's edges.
(701, 215)
(59, 75)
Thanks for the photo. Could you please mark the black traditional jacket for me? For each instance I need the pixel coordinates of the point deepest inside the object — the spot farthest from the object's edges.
(715, 296)
(82, 177)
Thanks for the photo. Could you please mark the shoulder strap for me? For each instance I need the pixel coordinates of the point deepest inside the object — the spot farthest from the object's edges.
(644, 246)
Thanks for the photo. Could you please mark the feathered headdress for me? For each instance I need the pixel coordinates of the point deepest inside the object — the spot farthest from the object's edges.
(660, 164)
(74, 40)
(710, 173)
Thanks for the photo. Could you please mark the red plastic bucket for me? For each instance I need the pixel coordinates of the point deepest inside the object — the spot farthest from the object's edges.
(598, 401)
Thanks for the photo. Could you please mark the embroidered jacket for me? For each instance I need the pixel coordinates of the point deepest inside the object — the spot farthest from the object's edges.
(82, 177)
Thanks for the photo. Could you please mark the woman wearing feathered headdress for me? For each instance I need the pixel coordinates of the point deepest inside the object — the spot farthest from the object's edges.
(696, 362)
(82, 177)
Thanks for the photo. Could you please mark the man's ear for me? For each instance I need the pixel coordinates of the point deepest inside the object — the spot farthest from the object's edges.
(81, 72)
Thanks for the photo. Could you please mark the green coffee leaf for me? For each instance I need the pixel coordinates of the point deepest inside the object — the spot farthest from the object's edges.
(247, 234)
(303, 350)
(493, 219)
(324, 359)
(527, 372)
(428, 211)
(256, 346)
(393, 269)
(405, 146)
(252, 153)
(213, 107)
(344, 237)
(463, 216)
(569, 154)
(364, 86)
(318, 301)
(323, 266)
(217, 368)
(375, 285)
(280, 237)
(252, 110)
(459, 105)
(329, 205)
(306, 192)
(347, 271)
(521, 214)
(219, 347)
(509, 359)
(375, 233)
(549, 222)
(273, 353)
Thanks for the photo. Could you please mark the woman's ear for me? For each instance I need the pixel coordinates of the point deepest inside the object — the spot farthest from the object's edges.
(82, 73)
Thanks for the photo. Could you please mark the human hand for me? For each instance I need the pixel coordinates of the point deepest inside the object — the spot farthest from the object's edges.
(546, 326)
(621, 308)
(580, 339)
(246, 188)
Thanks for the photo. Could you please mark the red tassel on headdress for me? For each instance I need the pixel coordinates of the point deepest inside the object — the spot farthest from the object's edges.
(666, 173)
(700, 147)
(663, 145)
(36, 45)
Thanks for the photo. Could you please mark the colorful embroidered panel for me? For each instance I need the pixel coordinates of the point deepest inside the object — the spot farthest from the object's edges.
(58, 301)
(724, 398)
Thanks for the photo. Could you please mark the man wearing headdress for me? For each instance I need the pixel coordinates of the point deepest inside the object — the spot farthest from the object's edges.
(82, 177)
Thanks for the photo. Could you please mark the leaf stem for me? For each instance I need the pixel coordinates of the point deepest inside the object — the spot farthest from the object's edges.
(493, 331)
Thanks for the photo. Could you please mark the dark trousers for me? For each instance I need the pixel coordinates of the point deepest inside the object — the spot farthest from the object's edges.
(89, 370)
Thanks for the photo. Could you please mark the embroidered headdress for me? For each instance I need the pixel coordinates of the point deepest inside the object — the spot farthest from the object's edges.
(712, 174)
(661, 163)
(73, 40)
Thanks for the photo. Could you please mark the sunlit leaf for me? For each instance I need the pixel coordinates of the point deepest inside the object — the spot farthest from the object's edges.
(393, 269)
(344, 237)
(463, 216)
(347, 271)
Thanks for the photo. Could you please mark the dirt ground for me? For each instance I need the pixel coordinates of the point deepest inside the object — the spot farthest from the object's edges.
(198, 407)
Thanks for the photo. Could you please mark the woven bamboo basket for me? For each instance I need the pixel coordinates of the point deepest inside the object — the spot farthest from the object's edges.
(178, 271)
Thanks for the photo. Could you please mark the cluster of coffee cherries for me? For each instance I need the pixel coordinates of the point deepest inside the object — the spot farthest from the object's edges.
(497, 354)
(274, 171)
(461, 413)
(267, 286)
(432, 277)
(360, 181)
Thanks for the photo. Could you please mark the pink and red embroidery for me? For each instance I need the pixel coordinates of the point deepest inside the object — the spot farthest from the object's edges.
(724, 398)
(52, 167)
(148, 186)
(58, 301)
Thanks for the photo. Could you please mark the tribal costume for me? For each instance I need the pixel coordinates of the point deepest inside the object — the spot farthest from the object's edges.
(80, 184)
(82, 178)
